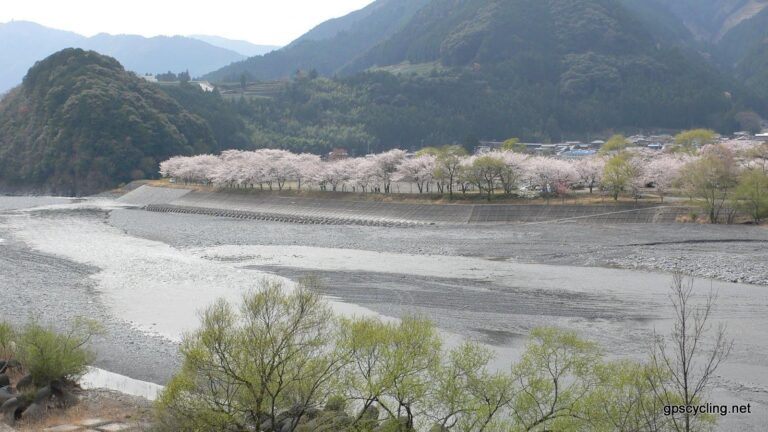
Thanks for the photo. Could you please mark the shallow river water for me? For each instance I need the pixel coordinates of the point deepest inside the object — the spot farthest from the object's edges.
(147, 282)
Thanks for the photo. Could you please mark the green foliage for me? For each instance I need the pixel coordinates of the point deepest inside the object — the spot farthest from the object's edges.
(390, 364)
(228, 128)
(283, 363)
(692, 140)
(7, 341)
(80, 123)
(49, 355)
(448, 166)
(616, 143)
(513, 145)
(711, 180)
(751, 194)
(503, 68)
(248, 366)
(467, 394)
(618, 174)
(485, 172)
(556, 374)
(624, 397)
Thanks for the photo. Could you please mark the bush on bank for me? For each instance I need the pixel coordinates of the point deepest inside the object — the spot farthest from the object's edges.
(282, 362)
(38, 366)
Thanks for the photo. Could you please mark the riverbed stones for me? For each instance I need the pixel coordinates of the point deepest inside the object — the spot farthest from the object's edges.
(25, 382)
(63, 428)
(115, 427)
(63, 397)
(6, 393)
(94, 422)
(43, 395)
(10, 409)
(34, 412)
(4, 380)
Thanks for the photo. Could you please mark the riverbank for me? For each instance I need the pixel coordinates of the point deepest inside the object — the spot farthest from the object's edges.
(147, 275)
(330, 210)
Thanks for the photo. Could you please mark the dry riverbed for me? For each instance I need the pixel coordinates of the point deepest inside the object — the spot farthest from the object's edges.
(145, 275)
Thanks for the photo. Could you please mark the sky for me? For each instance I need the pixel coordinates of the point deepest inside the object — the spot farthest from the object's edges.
(268, 22)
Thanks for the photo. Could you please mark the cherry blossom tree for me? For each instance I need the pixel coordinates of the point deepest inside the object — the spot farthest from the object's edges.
(662, 172)
(590, 171)
(513, 171)
(550, 175)
(307, 168)
(386, 165)
(419, 170)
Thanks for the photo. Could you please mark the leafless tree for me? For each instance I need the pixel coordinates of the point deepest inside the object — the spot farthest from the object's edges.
(689, 357)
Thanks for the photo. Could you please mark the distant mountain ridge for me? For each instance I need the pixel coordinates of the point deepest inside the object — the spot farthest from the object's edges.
(242, 47)
(24, 43)
(330, 46)
(732, 34)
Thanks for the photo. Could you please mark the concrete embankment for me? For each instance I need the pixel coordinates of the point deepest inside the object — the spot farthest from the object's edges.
(330, 211)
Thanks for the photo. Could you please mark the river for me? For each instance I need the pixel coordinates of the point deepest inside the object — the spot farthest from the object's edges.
(149, 275)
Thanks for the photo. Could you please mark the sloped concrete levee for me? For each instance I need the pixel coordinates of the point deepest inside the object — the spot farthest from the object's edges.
(146, 195)
(599, 214)
(331, 211)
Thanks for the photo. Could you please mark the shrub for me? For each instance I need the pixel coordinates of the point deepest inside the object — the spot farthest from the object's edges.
(270, 362)
(283, 363)
(48, 355)
(7, 344)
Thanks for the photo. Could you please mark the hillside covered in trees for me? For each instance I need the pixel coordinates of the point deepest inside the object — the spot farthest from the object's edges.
(402, 75)
(329, 46)
(728, 34)
(458, 71)
(80, 123)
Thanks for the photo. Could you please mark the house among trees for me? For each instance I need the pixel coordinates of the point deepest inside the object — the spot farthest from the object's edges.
(338, 154)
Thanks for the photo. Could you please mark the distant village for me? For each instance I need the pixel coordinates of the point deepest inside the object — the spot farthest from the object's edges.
(563, 150)
(578, 149)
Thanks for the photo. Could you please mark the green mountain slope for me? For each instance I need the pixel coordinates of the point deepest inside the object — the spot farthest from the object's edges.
(458, 33)
(80, 123)
(460, 70)
(733, 34)
(744, 50)
(490, 69)
(328, 47)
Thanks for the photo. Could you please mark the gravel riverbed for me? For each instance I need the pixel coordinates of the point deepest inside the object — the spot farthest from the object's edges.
(145, 275)
(726, 253)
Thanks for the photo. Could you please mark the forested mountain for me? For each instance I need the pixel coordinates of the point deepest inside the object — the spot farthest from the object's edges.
(459, 70)
(24, 43)
(80, 123)
(711, 20)
(328, 47)
(744, 51)
(733, 34)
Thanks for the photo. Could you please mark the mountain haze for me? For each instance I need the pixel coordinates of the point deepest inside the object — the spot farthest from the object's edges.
(24, 43)
(242, 47)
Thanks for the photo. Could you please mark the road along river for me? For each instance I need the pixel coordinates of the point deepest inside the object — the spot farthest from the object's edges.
(147, 275)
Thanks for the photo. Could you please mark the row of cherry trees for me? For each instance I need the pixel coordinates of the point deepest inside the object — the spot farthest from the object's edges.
(445, 170)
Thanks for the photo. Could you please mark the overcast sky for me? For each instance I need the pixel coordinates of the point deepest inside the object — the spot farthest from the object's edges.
(271, 22)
